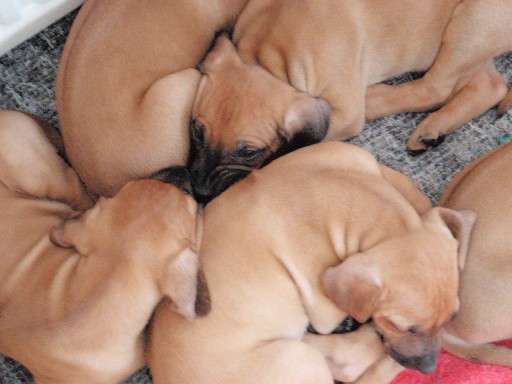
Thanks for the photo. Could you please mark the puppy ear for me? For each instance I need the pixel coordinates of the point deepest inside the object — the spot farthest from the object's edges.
(185, 285)
(222, 52)
(71, 233)
(74, 231)
(306, 122)
(355, 286)
(460, 224)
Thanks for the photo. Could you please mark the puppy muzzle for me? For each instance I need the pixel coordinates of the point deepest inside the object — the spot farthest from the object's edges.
(419, 352)
(426, 363)
(208, 184)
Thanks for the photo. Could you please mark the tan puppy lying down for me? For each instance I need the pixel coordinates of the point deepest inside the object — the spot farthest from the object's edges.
(77, 315)
(127, 83)
(266, 244)
(246, 112)
(486, 283)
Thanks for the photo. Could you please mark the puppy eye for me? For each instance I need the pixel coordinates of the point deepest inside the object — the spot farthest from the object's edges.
(397, 328)
(392, 325)
(248, 152)
(197, 131)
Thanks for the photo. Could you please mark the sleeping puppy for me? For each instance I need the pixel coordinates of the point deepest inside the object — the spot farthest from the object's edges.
(127, 81)
(486, 282)
(325, 213)
(77, 314)
(299, 72)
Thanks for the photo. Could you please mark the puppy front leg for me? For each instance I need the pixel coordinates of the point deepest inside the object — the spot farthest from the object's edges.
(413, 96)
(282, 361)
(350, 354)
(382, 372)
(31, 165)
(347, 120)
(473, 37)
(346, 97)
(485, 89)
(164, 112)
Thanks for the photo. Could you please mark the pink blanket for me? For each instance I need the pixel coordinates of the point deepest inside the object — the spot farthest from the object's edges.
(452, 370)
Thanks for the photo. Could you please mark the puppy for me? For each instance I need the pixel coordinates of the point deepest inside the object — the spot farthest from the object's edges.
(486, 282)
(321, 216)
(77, 314)
(292, 62)
(127, 81)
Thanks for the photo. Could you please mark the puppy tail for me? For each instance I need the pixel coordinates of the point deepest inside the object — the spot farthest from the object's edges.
(480, 353)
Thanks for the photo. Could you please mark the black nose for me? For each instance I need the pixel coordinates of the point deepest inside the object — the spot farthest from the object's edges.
(201, 184)
(426, 363)
(207, 188)
(202, 194)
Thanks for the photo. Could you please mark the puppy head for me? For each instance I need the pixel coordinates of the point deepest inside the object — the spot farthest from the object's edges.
(408, 286)
(243, 118)
(152, 226)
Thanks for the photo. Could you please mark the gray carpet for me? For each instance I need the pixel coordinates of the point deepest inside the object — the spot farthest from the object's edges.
(27, 76)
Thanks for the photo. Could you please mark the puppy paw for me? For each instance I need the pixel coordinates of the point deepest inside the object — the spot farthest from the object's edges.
(423, 139)
(416, 152)
(432, 142)
(416, 147)
(423, 144)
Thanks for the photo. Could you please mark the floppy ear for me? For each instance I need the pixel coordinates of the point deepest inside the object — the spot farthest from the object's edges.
(185, 285)
(306, 122)
(222, 52)
(71, 233)
(355, 286)
(74, 231)
(460, 224)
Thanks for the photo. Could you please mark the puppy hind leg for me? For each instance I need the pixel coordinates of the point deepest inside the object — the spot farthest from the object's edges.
(285, 361)
(29, 164)
(485, 89)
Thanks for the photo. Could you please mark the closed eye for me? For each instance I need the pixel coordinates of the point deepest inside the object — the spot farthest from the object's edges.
(390, 324)
(248, 153)
(412, 329)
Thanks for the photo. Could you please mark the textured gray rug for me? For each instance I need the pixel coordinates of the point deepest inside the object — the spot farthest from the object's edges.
(27, 76)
